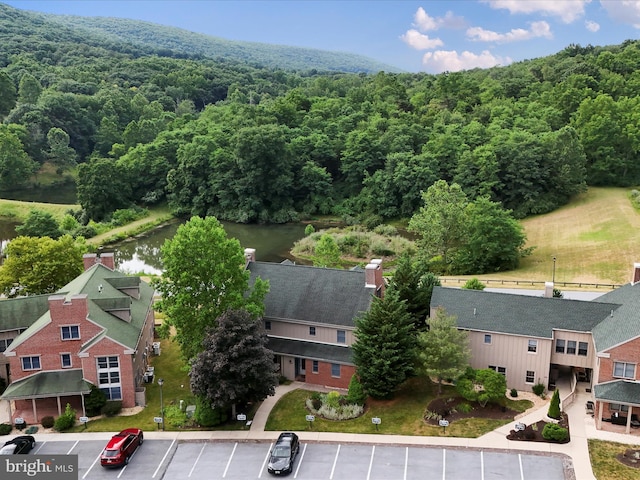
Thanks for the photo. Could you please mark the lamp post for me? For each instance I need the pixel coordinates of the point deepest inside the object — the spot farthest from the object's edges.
(553, 275)
(160, 383)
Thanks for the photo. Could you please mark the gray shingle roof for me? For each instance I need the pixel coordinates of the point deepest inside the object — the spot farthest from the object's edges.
(519, 314)
(618, 391)
(47, 384)
(321, 295)
(19, 313)
(311, 350)
(624, 325)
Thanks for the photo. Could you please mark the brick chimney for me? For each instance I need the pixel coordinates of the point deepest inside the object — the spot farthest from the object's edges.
(106, 259)
(635, 278)
(373, 277)
(249, 255)
(548, 289)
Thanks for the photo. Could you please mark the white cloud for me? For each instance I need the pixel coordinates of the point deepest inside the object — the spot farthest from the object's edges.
(538, 29)
(452, 61)
(425, 23)
(623, 11)
(419, 41)
(592, 26)
(567, 10)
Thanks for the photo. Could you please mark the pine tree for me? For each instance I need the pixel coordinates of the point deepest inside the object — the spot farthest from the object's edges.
(384, 351)
(554, 406)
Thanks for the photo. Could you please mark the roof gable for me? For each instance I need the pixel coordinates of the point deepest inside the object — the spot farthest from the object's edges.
(624, 324)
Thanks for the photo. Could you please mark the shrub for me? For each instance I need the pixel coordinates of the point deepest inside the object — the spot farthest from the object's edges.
(66, 420)
(552, 431)
(206, 416)
(174, 416)
(111, 408)
(386, 230)
(464, 408)
(356, 391)
(47, 422)
(514, 393)
(474, 284)
(94, 401)
(308, 230)
(5, 429)
(332, 399)
(538, 389)
(554, 406)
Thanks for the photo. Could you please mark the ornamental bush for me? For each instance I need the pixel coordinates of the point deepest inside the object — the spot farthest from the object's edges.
(356, 392)
(5, 429)
(554, 406)
(538, 389)
(47, 422)
(111, 408)
(553, 431)
(66, 420)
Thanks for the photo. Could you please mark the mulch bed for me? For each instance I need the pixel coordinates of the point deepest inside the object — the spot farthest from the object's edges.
(447, 408)
(533, 432)
(630, 458)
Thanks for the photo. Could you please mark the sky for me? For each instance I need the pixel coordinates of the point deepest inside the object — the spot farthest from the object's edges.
(416, 36)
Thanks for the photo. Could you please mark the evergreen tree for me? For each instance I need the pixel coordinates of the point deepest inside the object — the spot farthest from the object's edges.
(384, 350)
(327, 253)
(554, 405)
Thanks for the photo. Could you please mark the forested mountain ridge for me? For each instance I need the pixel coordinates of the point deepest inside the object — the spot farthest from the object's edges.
(219, 137)
(140, 38)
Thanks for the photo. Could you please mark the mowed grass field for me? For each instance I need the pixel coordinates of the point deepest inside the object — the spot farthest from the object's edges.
(595, 239)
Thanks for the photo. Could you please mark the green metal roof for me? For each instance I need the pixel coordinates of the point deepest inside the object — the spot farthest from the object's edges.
(311, 350)
(313, 294)
(48, 384)
(618, 391)
(519, 314)
(20, 313)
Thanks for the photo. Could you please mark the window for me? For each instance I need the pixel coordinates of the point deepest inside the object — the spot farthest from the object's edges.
(625, 370)
(70, 332)
(560, 346)
(582, 348)
(616, 407)
(501, 370)
(267, 324)
(312, 331)
(571, 347)
(4, 344)
(31, 363)
(342, 336)
(530, 377)
(487, 339)
(314, 366)
(533, 346)
(335, 370)
(65, 360)
(109, 377)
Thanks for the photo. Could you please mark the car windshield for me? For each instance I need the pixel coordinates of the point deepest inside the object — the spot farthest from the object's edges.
(7, 449)
(281, 451)
(110, 453)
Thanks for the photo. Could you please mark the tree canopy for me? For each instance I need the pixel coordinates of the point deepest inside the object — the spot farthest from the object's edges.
(204, 276)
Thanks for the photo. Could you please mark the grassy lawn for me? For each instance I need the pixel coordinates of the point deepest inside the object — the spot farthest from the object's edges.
(400, 416)
(18, 211)
(604, 463)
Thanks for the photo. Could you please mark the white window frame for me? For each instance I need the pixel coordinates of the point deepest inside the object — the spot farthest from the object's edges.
(487, 339)
(532, 346)
(341, 336)
(312, 331)
(4, 343)
(31, 359)
(586, 349)
(62, 357)
(572, 345)
(71, 329)
(625, 366)
(335, 366)
(315, 366)
(110, 367)
(564, 345)
(617, 407)
(532, 377)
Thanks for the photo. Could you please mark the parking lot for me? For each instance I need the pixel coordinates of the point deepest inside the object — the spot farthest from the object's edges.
(173, 460)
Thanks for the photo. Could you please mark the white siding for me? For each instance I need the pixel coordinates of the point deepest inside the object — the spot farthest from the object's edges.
(574, 360)
(298, 331)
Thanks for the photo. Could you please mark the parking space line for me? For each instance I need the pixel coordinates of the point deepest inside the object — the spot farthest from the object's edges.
(300, 461)
(481, 465)
(92, 465)
(163, 459)
(122, 471)
(196, 462)
(335, 460)
(74, 446)
(235, 445)
(264, 462)
(444, 463)
(406, 462)
(40, 447)
(373, 451)
(521, 469)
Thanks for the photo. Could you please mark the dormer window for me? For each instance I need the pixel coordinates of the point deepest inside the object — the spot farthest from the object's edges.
(70, 332)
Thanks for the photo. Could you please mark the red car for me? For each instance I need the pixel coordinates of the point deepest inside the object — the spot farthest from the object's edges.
(121, 447)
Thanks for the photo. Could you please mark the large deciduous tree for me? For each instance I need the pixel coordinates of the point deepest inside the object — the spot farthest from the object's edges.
(235, 365)
(384, 350)
(326, 252)
(39, 224)
(483, 386)
(443, 350)
(15, 165)
(204, 276)
(37, 265)
(103, 188)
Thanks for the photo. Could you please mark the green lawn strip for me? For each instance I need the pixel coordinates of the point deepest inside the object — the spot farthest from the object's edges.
(400, 416)
(157, 216)
(604, 464)
(18, 211)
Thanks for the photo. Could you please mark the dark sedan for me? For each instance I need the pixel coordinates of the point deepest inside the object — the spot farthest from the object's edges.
(22, 444)
(283, 454)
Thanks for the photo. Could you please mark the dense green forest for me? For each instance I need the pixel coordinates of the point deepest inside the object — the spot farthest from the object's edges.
(221, 137)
